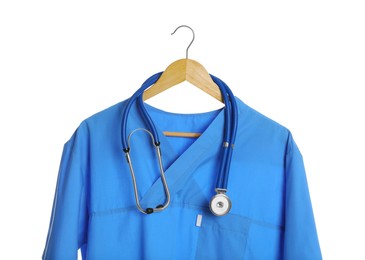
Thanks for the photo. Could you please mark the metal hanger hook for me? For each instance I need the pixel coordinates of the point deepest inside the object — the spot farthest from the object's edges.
(187, 49)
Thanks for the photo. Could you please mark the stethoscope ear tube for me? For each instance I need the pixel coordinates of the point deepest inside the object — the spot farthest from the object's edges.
(162, 173)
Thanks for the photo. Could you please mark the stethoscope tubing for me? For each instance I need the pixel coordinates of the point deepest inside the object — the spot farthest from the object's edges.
(230, 124)
(128, 106)
(224, 177)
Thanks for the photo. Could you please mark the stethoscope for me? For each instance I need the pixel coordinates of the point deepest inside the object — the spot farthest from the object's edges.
(220, 204)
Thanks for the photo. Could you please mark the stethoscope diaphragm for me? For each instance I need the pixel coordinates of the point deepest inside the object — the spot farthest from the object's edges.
(220, 204)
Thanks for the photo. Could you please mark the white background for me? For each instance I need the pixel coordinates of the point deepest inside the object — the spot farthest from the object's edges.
(301, 63)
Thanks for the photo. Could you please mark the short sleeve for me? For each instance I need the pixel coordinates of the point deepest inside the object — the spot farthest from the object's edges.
(300, 239)
(69, 218)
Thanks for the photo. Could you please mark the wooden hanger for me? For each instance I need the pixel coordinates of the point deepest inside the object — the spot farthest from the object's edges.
(184, 70)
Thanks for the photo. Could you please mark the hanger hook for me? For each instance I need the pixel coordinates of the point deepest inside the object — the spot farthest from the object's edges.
(187, 49)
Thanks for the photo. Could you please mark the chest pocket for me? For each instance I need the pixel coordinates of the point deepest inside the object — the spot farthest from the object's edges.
(222, 237)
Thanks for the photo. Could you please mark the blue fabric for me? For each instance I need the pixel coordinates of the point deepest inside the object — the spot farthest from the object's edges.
(94, 207)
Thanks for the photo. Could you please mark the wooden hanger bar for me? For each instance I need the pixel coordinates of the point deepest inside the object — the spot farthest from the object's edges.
(181, 70)
(182, 134)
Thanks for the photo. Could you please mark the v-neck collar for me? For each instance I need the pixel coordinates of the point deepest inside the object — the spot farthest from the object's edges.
(180, 170)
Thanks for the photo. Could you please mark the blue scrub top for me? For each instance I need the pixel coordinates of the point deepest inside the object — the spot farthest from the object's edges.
(94, 207)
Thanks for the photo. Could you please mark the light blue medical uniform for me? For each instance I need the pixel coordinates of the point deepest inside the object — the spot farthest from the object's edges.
(94, 207)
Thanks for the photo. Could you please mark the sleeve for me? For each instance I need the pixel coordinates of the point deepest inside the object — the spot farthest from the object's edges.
(300, 237)
(69, 218)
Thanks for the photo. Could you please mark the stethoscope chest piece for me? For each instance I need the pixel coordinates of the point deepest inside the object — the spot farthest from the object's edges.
(220, 204)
